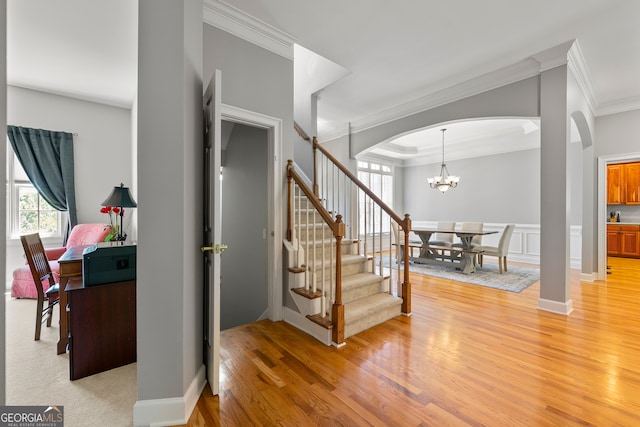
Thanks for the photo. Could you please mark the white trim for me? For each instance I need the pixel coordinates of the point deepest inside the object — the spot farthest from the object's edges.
(578, 67)
(601, 217)
(302, 323)
(237, 22)
(564, 308)
(589, 277)
(170, 411)
(620, 106)
(274, 195)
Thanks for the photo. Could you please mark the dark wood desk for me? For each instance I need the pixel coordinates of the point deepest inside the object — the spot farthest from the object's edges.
(102, 326)
(70, 266)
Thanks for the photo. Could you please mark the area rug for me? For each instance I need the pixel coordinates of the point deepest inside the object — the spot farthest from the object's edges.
(515, 280)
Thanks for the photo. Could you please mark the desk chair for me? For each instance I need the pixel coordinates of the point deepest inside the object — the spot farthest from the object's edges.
(41, 271)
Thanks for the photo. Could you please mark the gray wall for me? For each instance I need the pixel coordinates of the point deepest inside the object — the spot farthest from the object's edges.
(252, 78)
(169, 278)
(617, 134)
(518, 99)
(503, 188)
(243, 285)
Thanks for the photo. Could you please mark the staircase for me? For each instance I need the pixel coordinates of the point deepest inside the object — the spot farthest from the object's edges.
(366, 296)
(337, 279)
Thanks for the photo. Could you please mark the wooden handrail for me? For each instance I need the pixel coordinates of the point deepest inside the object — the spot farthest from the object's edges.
(337, 227)
(404, 222)
(300, 131)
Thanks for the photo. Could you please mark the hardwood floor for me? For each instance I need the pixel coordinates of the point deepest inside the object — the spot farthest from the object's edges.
(467, 356)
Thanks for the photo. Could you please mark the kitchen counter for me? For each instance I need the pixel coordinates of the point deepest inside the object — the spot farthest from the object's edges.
(624, 223)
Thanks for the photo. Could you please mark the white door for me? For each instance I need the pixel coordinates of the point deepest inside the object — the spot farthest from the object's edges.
(212, 231)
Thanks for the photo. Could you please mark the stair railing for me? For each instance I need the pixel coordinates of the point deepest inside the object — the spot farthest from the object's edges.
(369, 219)
(302, 231)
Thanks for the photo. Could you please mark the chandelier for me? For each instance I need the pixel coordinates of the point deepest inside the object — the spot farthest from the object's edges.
(444, 181)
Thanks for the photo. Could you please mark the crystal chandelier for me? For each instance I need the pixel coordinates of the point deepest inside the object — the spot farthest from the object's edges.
(444, 181)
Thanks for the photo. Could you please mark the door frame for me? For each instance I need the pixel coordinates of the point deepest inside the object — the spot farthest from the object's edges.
(603, 161)
(275, 190)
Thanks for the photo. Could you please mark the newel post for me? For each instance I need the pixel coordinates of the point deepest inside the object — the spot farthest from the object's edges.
(315, 166)
(406, 284)
(337, 311)
(289, 199)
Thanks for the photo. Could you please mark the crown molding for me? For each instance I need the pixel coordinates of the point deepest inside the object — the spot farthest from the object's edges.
(578, 66)
(495, 79)
(554, 57)
(234, 21)
(621, 106)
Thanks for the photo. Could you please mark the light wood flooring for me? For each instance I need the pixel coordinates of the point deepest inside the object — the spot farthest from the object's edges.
(468, 355)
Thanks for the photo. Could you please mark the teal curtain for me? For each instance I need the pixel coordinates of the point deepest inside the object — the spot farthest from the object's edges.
(47, 158)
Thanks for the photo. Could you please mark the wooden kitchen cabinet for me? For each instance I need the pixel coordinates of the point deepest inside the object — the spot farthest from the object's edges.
(632, 183)
(623, 240)
(613, 241)
(615, 189)
(623, 184)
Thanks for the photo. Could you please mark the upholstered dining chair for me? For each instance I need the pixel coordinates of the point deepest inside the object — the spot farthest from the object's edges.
(499, 251)
(41, 271)
(414, 241)
(443, 239)
(473, 227)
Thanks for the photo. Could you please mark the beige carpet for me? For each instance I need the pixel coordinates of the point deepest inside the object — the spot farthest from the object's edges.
(37, 376)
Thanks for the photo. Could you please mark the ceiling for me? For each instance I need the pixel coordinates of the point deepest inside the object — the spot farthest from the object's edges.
(394, 52)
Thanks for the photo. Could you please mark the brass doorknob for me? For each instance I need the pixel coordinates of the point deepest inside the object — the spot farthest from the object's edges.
(217, 248)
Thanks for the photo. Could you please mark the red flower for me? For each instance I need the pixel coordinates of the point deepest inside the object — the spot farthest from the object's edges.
(117, 211)
(106, 209)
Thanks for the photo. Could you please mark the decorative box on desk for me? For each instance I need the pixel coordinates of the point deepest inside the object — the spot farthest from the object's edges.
(108, 262)
(102, 316)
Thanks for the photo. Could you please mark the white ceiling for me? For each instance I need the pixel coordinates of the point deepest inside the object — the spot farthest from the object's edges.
(395, 52)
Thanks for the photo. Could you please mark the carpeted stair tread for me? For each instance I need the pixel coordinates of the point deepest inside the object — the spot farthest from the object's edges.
(347, 259)
(370, 305)
(359, 279)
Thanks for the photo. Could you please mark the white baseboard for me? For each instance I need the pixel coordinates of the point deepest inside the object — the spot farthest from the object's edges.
(170, 411)
(299, 321)
(585, 277)
(557, 307)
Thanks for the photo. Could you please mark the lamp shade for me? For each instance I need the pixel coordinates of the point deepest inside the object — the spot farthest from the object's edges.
(120, 196)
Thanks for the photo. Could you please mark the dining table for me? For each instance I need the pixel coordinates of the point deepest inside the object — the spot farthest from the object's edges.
(459, 256)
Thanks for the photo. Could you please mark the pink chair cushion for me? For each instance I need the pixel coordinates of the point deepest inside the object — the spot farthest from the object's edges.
(82, 234)
(23, 286)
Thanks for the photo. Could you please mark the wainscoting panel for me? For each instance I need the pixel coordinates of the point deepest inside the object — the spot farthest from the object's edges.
(525, 241)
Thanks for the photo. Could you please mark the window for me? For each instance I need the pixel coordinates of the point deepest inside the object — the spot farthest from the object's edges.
(379, 179)
(27, 211)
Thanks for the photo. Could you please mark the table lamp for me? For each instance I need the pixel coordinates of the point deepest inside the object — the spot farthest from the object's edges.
(120, 197)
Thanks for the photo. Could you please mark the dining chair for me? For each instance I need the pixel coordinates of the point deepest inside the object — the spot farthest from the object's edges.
(472, 227)
(41, 271)
(414, 241)
(499, 251)
(443, 239)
